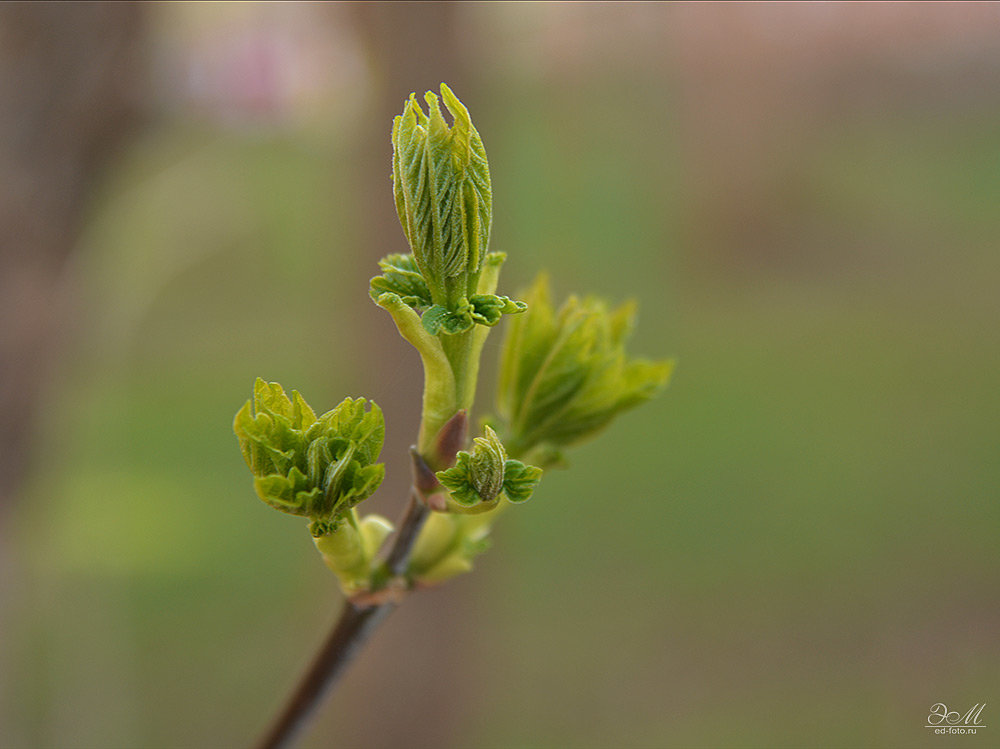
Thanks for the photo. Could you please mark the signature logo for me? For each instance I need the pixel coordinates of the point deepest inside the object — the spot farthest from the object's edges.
(943, 720)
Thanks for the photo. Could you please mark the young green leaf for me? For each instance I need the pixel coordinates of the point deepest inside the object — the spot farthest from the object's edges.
(439, 319)
(520, 480)
(477, 480)
(316, 467)
(565, 374)
(487, 309)
(401, 276)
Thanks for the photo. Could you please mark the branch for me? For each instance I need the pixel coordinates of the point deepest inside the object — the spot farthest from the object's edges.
(409, 529)
(358, 620)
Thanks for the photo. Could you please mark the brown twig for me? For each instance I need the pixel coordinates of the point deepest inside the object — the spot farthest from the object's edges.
(358, 619)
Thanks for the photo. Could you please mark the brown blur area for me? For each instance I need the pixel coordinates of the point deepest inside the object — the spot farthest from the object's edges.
(794, 546)
(70, 97)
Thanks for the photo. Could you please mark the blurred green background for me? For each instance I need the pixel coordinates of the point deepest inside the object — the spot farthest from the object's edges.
(795, 546)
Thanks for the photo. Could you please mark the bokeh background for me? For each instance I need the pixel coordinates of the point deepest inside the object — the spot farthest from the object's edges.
(795, 546)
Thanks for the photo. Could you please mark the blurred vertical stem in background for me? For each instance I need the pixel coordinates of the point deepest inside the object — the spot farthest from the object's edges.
(565, 375)
(70, 88)
(69, 83)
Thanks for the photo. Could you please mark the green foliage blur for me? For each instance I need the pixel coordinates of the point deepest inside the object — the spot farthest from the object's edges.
(795, 545)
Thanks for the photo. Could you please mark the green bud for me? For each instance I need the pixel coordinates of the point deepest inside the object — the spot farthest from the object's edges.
(565, 375)
(478, 479)
(316, 467)
(487, 465)
(444, 199)
(443, 194)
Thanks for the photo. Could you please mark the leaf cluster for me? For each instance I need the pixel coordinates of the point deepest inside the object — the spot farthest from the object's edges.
(317, 467)
(564, 373)
(401, 276)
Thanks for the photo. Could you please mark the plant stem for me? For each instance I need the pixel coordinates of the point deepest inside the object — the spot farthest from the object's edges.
(459, 349)
(352, 629)
(409, 529)
(450, 384)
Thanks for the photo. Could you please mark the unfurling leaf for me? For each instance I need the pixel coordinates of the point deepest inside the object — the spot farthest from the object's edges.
(316, 467)
(564, 375)
(401, 276)
(484, 309)
(477, 480)
(520, 480)
(487, 309)
(440, 319)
